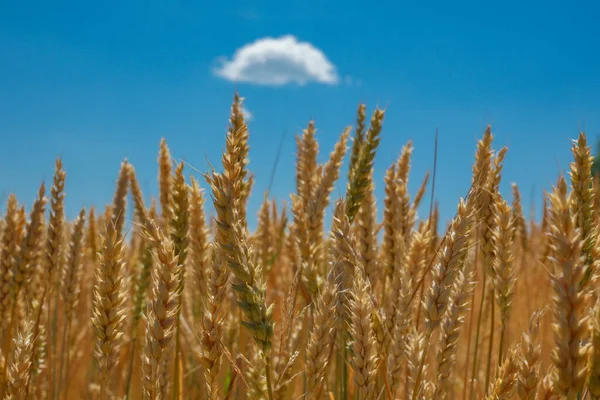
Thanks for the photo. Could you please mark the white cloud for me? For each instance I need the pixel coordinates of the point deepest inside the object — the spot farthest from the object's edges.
(278, 61)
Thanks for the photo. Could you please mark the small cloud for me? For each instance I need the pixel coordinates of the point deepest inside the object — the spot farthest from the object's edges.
(276, 62)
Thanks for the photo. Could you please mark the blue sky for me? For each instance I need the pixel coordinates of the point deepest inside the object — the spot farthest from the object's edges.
(96, 82)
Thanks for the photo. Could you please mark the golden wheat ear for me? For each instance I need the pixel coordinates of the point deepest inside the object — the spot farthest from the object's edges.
(19, 370)
(165, 181)
(504, 385)
(568, 269)
(529, 360)
(321, 338)
(8, 254)
(502, 267)
(108, 306)
(364, 357)
(54, 251)
(450, 331)
(161, 313)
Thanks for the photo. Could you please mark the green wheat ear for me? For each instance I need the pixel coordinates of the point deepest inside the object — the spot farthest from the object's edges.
(359, 181)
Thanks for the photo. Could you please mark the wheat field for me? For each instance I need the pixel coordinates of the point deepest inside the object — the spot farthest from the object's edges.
(177, 305)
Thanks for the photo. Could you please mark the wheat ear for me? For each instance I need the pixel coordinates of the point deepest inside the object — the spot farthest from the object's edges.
(570, 320)
(108, 310)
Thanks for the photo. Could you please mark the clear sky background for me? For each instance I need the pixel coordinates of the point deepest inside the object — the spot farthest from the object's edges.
(97, 82)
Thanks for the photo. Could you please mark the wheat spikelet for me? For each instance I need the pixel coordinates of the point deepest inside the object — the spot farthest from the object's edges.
(444, 273)
(19, 371)
(504, 386)
(251, 292)
(235, 159)
(160, 314)
(257, 382)
(225, 189)
(54, 243)
(432, 225)
(417, 254)
(400, 316)
(120, 199)
(180, 218)
(247, 283)
(299, 237)
(357, 187)
(165, 181)
(529, 360)
(21, 224)
(109, 299)
(8, 254)
(71, 278)
(364, 355)
(403, 214)
(483, 158)
(570, 321)
(487, 200)
(328, 177)
(27, 258)
(234, 250)
(199, 240)
(398, 307)
(237, 149)
(520, 224)
(593, 379)
(289, 341)
(450, 331)
(342, 268)
(390, 235)
(179, 225)
(39, 356)
(593, 382)
(144, 276)
(404, 162)
(212, 324)
(546, 390)
(136, 194)
(503, 275)
(306, 164)
(415, 357)
(581, 200)
(262, 238)
(358, 140)
(315, 214)
(91, 237)
(412, 213)
(321, 338)
(365, 231)
(419, 195)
